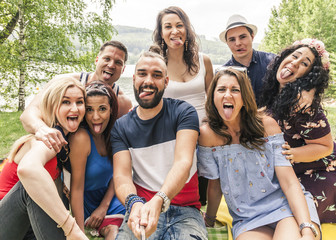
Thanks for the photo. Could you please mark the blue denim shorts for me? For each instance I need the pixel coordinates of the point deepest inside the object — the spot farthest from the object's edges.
(177, 223)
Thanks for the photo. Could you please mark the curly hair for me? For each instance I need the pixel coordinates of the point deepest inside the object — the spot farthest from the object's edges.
(251, 125)
(100, 88)
(190, 56)
(282, 102)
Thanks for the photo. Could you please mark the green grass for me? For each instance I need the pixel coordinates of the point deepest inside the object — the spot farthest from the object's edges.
(10, 130)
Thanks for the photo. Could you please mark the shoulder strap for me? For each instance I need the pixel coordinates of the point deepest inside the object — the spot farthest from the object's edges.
(84, 77)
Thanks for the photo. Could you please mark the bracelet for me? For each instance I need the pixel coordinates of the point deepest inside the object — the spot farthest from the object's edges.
(128, 198)
(60, 226)
(73, 224)
(134, 200)
(209, 220)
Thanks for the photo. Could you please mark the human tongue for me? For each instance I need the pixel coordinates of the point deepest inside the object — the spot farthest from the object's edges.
(228, 112)
(144, 94)
(177, 41)
(97, 128)
(73, 123)
(285, 73)
(106, 75)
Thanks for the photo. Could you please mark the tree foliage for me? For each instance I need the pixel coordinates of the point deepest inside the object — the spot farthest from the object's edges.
(41, 38)
(298, 19)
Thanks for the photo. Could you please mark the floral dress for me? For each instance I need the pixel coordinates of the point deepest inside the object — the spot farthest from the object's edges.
(318, 177)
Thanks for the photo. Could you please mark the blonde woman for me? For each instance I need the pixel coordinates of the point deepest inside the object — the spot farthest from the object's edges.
(33, 200)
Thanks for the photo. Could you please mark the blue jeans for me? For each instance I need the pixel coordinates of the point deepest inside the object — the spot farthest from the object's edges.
(19, 212)
(177, 223)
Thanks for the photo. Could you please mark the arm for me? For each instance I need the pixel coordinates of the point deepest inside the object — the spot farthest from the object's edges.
(290, 184)
(214, 197)
(177, 176)
(80, 149)
(124, 104)
(41, 188)
(314, 150)
(209, 72)
(124, 186)
(32, 121)
(297, 202)
(99, 213)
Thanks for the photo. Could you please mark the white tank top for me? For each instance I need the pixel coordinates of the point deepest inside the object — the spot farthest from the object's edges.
(192, 91)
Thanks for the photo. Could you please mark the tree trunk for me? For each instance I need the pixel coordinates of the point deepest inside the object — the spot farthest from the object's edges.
(7, 31)
(22, 68)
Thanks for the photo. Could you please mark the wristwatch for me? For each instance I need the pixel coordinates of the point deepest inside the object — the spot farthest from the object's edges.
(166, 201)
(308, 225)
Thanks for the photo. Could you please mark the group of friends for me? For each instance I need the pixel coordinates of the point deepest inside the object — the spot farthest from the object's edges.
(253, 131)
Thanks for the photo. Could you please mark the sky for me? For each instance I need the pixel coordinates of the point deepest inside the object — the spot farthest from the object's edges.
(208, 17)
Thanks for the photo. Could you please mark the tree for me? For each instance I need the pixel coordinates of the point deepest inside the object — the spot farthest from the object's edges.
(298, 19)
(41, 38)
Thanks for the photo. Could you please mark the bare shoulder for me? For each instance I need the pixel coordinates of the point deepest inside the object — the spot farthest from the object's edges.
(207, 60)
(207, 137)
(79, 138)
(271, 126)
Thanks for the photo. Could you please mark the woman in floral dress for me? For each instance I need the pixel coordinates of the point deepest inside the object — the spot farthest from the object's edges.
(309, 145)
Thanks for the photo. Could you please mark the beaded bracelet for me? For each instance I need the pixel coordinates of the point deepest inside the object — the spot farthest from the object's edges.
(129, 201)
(133, 200)
(128, 198)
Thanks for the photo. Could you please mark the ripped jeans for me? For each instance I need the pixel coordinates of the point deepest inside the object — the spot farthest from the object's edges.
(177, 223)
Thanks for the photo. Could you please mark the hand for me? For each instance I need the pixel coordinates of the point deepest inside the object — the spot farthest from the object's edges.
(51, 137)
(77, 234)
(305, 100)
(147, 215)
(96, 218)
(134, 219)
(209, 220)
(287, 152)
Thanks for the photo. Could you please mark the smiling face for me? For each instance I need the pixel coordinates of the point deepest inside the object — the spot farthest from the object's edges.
(173, 31)
(239, 41)
(110, 64)
(149, 81)
(71, 111)
(227, 98)
(295, 65)
(98, 113)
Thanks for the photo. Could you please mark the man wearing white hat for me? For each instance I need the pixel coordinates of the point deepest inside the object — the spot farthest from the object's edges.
(239, 35)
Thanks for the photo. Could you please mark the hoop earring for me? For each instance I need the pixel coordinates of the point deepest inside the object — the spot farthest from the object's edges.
(162, 44)
(186, 45)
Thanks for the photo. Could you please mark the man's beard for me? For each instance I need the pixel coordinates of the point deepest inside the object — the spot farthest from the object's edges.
(148, 104)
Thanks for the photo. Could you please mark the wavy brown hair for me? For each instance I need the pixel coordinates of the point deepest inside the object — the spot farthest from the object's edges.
(251, 126)
(100, 88)
(190, 56)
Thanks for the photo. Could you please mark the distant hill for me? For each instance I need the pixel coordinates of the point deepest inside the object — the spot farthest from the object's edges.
(139, 39)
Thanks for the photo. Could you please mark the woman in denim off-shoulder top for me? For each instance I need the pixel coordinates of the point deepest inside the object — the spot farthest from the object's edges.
(240, 153)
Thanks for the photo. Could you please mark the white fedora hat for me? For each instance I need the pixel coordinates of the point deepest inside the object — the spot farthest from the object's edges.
(234, 21)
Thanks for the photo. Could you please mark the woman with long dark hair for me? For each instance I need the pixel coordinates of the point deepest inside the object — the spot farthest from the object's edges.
(240, 153)
(93, 199)
(190, 72)
(304, 66)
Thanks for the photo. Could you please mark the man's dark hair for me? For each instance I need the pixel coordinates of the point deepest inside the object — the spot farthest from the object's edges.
(116, 44)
